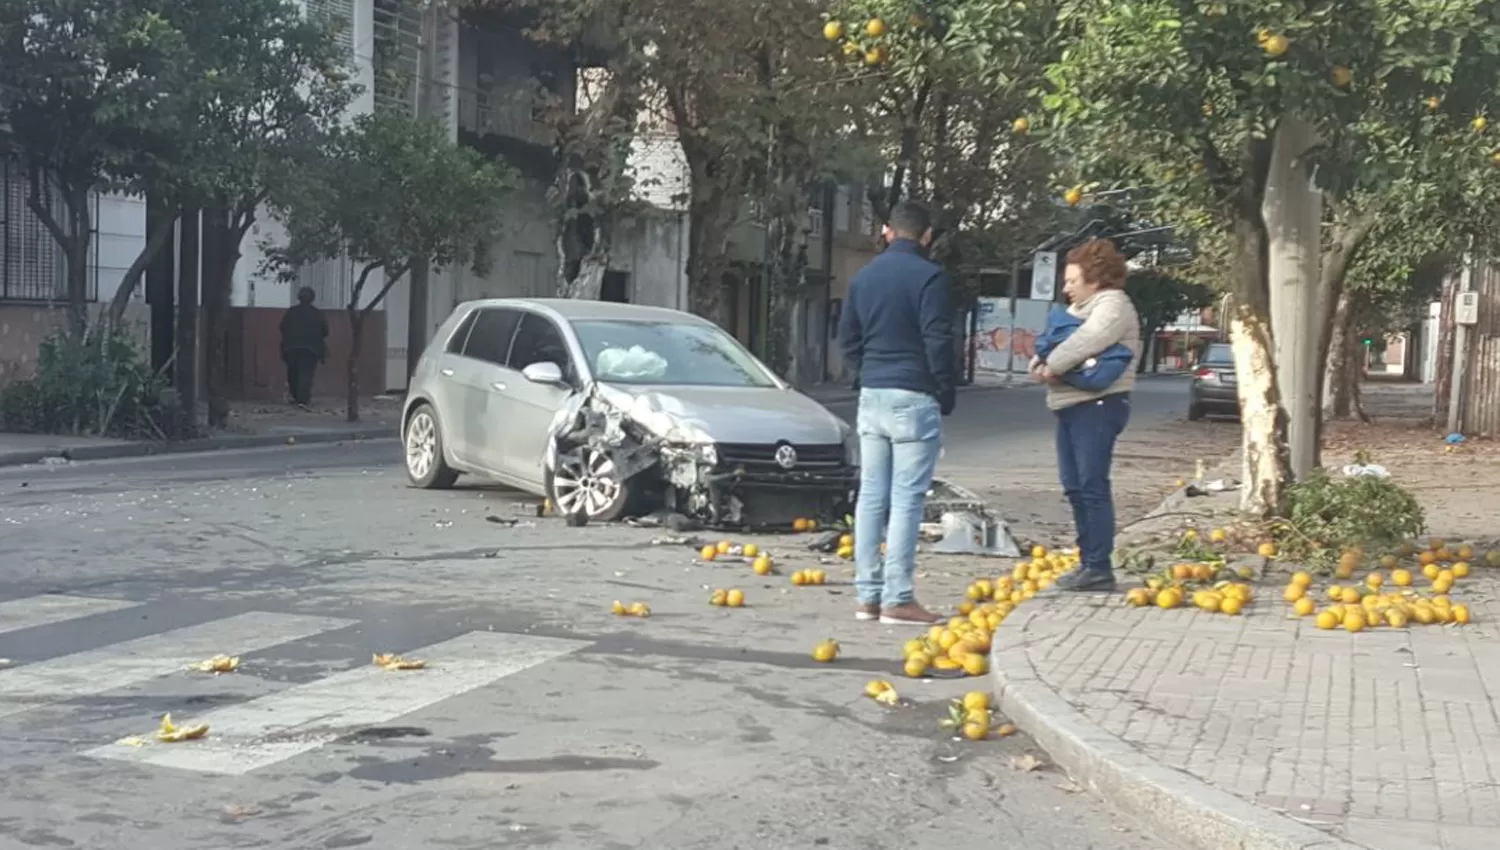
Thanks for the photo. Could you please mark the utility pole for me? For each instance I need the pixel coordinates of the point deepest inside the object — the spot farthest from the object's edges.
(1456, 399)
(420, 275)
(1293, 210)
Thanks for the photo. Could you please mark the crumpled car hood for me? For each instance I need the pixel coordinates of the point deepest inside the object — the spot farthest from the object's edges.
(727, 414)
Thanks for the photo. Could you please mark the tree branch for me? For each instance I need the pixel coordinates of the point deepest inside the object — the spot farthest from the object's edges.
(43, 211)
(154, 242)
(393, 275)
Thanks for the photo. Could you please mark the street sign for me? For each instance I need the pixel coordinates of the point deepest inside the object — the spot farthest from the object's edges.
(1044, 275)
(1466, 308)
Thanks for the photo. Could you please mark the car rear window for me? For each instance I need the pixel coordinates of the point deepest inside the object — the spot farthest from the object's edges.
(1217, 355)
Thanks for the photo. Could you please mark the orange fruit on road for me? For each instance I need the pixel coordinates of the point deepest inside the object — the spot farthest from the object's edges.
(1460, 569)
(1266, 550)
(708, 553)
(825, 650)
(1326, 620)
(724, 547)
(761, 566)
(1401, 578)
(1304, 606)
(735, 598)
(833, 31)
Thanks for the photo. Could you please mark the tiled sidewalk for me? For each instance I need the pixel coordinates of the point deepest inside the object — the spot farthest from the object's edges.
(1261, 731)
(1387, 738)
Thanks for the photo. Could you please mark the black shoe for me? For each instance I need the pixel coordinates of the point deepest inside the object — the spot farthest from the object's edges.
(1081, 581)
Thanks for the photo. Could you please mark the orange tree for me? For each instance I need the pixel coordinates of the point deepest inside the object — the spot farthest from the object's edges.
(946, 85)
(1190, 102)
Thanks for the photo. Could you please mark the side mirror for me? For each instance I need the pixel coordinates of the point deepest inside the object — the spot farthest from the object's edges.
(545, 372)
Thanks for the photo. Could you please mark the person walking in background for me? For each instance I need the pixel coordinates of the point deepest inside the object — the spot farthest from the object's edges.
(304, 344)
(1090, 416)
(896, 332)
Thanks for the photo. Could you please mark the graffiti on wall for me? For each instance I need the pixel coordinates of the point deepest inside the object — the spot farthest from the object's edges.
(1004, 341)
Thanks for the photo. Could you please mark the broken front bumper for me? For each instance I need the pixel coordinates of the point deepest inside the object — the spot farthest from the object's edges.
(761, 485)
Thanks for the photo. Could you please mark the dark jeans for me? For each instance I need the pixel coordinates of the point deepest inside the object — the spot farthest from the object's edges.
(1085, 450)
(300, 368)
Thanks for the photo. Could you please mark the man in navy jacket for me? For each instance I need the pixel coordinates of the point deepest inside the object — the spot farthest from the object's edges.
(896, 332)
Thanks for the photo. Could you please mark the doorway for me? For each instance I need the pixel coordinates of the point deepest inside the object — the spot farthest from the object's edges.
(615, 287)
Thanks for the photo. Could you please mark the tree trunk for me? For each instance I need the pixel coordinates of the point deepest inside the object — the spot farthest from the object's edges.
(1335, 388)
(1263, 425)
(1292, 210)
(156, 238)
(1443, 374)
(351, 373)
(588, 282)
(189, 268)
(220, 256)
(709, 221)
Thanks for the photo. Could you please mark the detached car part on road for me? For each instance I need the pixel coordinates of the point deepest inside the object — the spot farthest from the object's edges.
(612, 410)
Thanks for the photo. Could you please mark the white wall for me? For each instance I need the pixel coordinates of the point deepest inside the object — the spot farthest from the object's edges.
(524, 263)
(652, 248)
(120, 228)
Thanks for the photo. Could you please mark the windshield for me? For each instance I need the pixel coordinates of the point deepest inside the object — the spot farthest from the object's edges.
(630, 352)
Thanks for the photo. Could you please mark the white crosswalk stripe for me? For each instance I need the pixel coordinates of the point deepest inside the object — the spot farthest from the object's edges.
(274, 728)
(121, 665)
(33, 611)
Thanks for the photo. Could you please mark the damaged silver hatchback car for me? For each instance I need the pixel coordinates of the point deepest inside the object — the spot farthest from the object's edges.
(612, 410)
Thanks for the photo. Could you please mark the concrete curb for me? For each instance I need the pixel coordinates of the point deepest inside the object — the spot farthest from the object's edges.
(113, 451)
(1168, 801)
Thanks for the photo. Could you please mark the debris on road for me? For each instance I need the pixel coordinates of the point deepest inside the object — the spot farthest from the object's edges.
(217, 664)
(957, 521)
(1027, 762)
(171, 733)
(396, 662)
(634, 609)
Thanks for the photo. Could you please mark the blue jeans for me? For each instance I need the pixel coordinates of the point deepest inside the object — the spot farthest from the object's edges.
(1085, 450)
(900, 433)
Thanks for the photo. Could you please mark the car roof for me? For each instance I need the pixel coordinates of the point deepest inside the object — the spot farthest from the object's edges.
(577, 309)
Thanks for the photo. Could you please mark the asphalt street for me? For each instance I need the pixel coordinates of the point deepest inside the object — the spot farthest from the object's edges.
(541, 720)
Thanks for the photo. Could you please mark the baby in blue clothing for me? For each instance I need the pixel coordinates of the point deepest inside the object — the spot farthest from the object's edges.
(1095, 374)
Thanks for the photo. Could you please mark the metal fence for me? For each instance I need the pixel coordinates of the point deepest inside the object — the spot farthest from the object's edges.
(32, 264)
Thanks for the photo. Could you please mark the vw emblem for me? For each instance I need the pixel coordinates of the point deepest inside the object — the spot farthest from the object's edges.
(786, 456)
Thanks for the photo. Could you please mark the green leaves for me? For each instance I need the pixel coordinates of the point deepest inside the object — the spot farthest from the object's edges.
(382, 191)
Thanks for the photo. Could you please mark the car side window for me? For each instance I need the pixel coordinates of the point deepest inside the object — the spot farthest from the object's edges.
(490, 338)
(461, 335)
(539, 341)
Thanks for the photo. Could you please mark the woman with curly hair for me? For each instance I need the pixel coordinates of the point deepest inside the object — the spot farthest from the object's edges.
(1091, 412)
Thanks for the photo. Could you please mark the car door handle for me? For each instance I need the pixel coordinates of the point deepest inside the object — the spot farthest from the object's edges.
(447, 373)
(498, 386)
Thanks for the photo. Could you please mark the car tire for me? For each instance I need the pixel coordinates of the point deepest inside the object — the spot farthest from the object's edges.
(584, 477)
(1195, 412)
(422, 442)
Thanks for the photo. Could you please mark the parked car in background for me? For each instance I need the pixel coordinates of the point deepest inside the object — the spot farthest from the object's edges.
(614, 409)
(1213, 391)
